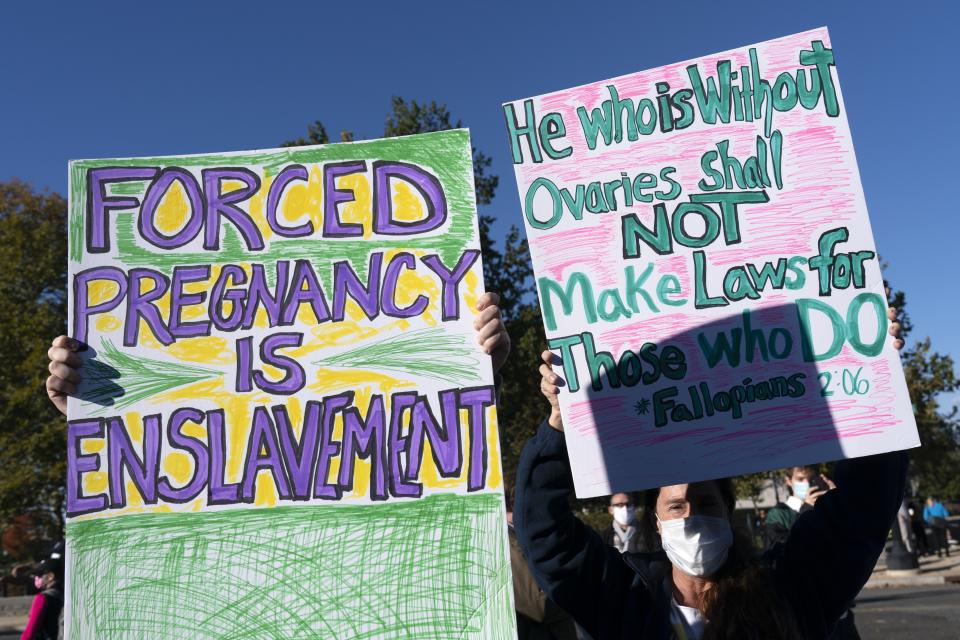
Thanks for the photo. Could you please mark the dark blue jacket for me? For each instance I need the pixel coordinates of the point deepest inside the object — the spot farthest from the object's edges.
(819, 570)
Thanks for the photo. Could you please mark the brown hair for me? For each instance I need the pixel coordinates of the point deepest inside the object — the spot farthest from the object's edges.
(746, 606)
(742, 603)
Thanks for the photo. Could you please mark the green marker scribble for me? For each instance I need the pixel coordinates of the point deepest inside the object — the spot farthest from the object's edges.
(118, 380)
(132, 188)
(441, 153)
(430, 568)
(428, 352)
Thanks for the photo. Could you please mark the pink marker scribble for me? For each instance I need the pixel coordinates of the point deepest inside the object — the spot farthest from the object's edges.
(758, 260)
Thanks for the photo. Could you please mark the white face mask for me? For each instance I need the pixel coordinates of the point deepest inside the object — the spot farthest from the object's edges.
(623, 515)
(800, 489)
(697, 545)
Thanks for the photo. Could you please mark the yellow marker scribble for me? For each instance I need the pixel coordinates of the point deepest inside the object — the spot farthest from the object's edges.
(258, 210)
(494, 470)
(100, 291)
(358, 211)
(301, 201)
(407, 203)
(108, 323)
(95, 482)
(179, 466)
(173, 210)
(472, 293)
(205, 350)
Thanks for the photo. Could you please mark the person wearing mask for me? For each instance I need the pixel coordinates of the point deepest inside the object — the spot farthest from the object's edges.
(704, 585)
(43, 622)
(623, 534)
(802, 497)
(935, 515)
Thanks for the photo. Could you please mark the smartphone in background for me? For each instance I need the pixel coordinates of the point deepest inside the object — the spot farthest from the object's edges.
(817, 483)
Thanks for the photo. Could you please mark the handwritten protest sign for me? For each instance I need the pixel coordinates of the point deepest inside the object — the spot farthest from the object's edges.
(706, 269)
(286, 427)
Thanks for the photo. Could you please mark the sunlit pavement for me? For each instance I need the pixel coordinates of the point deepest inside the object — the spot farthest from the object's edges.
(930, 613)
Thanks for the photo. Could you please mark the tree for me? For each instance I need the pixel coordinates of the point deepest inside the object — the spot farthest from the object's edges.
(509, 272)
(935, 466)
(33, 252)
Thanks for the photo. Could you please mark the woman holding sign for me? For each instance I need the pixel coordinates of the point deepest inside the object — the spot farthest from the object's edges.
(704, 585)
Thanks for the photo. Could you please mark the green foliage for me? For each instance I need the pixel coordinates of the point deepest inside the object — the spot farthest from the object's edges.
(935, 466)
(595, 516)
(33, 252)
(316, 134)
(750, 486)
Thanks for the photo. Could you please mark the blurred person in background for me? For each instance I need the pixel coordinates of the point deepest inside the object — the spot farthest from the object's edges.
(935, 515)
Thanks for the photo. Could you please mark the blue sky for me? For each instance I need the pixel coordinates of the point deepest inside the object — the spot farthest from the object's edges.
(99, 79)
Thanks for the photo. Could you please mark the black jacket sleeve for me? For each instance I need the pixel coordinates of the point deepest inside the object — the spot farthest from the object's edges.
(568, 559)
(774, 534)
(832, 549)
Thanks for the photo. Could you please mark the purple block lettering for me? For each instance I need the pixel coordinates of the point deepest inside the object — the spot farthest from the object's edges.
(364, 439)
(294, 376)
(146, 224)
(121, 454)
(224, 205)
(81, 301)
(476, 400)
(235, 274)
(259, 294)
(332, 197)
(300, 455)
(218, 491)
(303, 273)
(397, 443)
(80, 463)
(99, 204)
(389, 291)
(347, 282)
(445, 443)
(329, 447)
(451, 279)
(141, 305)
(285, 177)
(179, 299)
(197, 450)
(428, 186)
(263, 436)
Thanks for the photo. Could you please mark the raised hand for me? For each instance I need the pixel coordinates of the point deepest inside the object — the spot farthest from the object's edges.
(64, 371)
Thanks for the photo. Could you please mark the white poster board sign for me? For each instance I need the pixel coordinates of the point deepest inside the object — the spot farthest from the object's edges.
(706, 269)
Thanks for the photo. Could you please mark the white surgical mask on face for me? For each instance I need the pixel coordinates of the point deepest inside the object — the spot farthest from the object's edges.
(623, 515)
(800, 489)
(697, 545)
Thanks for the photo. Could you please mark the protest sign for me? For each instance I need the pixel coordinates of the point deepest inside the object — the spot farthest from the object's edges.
(286, 427)
(706, 269)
